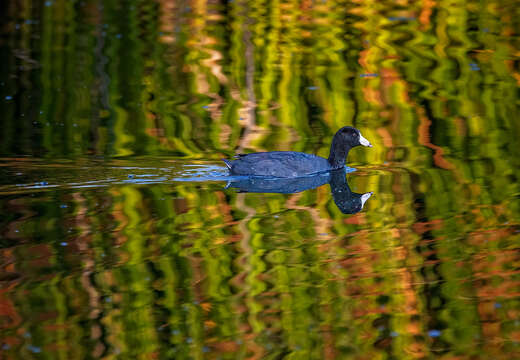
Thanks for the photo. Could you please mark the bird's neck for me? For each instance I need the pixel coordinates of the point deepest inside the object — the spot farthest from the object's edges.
(338, 154)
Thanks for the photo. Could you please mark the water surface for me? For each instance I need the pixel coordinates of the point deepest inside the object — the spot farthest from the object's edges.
(120, 236)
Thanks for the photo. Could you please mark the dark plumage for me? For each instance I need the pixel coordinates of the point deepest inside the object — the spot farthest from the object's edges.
(288, 164)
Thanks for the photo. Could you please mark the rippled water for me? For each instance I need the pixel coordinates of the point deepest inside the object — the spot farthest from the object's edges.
(123, 236)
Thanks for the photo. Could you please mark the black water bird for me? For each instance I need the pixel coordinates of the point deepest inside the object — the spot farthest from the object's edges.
(292, 164)
(347, 201)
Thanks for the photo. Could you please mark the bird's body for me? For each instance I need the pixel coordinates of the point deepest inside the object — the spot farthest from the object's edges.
(291, 164)
(283, 164)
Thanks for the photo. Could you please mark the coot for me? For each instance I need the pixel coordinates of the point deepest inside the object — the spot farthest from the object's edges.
(288, 164)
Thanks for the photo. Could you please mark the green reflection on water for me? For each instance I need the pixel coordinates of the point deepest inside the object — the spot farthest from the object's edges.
(100, 266)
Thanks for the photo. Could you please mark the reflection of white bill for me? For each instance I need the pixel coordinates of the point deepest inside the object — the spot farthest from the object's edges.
(365, 197)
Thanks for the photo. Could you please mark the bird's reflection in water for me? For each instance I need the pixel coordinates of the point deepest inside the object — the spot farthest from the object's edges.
(347, 201)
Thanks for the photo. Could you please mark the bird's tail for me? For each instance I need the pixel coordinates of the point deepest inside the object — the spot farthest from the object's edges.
(228, 163)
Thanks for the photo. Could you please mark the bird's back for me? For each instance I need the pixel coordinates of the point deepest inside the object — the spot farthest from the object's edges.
(278, 164)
